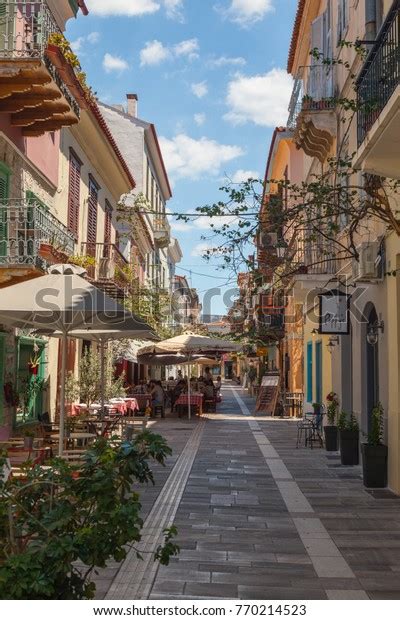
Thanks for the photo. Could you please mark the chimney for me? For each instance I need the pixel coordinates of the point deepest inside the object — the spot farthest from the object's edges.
(132, 105)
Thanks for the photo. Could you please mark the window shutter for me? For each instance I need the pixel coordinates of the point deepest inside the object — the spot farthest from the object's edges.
(74, 194)
(107, 229)
(317, 42)
(4, 184)
(92, 215)
(339, 23)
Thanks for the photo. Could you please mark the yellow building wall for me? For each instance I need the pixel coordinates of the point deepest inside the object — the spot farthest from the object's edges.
(326, 385)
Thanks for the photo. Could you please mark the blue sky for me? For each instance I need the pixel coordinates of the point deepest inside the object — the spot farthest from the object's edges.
(210, 74)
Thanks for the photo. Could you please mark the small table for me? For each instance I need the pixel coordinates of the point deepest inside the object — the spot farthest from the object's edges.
(196, 400)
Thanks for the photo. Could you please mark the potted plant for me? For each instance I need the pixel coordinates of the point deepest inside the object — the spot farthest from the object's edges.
(331, 430)
(349, 432)
(317, 408)
(29, 436)
(33, 364)
(375, 453)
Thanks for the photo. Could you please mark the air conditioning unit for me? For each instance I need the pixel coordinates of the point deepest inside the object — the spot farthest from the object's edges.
(268, 240)
(366, 268)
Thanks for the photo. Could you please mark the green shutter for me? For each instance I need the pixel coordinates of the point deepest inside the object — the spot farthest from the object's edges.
(4, 187)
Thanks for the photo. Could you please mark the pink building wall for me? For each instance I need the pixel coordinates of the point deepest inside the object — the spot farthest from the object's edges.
(42, 151)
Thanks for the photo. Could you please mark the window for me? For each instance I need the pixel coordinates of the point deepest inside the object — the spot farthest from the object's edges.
(318, 372)
(92, 213)
(343, 19)
(74, 192)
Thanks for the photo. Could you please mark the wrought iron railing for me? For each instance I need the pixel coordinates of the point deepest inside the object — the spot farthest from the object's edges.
(25, 225)
(109, 264)
(307, 256)
(380, 74)
(313, 90)
(25, 29)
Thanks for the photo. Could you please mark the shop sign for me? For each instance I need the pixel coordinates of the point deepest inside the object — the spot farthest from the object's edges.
(334, 313)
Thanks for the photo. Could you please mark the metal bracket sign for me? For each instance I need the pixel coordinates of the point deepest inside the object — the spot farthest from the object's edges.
(334, 313)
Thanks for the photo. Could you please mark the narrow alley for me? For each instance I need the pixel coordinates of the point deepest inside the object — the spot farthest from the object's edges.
(259, 519)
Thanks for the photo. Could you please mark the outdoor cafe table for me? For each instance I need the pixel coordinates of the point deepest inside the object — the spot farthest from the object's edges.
(143, 400)
(196, 400)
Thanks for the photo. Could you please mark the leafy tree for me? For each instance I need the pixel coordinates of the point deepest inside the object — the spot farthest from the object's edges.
(59, 524)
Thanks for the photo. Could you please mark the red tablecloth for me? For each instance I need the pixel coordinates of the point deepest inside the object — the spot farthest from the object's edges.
(143, 400)
(196, 400)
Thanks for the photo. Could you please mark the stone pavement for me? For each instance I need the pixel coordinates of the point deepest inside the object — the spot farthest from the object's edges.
(258, 519)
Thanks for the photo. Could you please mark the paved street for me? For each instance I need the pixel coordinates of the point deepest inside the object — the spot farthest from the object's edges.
(258, 519)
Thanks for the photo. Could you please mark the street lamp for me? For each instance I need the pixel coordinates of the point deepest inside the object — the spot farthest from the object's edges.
(332, 342)
(373, 332)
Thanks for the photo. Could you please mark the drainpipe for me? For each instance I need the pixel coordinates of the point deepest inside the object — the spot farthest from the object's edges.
(370, 20)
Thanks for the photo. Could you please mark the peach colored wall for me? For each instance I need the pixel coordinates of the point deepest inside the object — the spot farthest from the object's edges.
(43, 151)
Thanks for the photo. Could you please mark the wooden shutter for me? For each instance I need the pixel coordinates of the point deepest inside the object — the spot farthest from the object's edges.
(107, 225)
(92, 216)
(2, 357)
(74, 193)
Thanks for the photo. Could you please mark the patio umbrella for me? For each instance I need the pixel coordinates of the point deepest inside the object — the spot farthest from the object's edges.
(130, 328)
(189, 345)
(60, 301)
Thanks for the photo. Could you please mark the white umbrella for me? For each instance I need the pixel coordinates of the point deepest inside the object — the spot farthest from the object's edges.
(189, 345)
(130, 328)
(61, 301)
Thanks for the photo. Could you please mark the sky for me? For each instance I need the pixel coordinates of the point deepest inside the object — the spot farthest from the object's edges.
(211, 75)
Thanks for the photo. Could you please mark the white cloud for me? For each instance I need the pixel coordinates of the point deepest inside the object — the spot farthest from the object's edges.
(174, 9)
(240, 176)
(223, 61)
(114, 63)
(128, 8)
(76, 45)
(153, 53)
(93, 37)
(200, 119)
(189, 158)
(200, 89)
(246, 12)
(260, 99)
(202, 248)
(180, 226)
(187, 48)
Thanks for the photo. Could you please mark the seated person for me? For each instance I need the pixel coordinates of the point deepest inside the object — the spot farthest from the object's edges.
(208, 390)
(157, 394)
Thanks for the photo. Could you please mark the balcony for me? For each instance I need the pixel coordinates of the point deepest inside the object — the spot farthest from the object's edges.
(308, 263)
(311, 111)
(162, 232)
(31, 239)
(378, 95)
(106, 267)
(38, 86)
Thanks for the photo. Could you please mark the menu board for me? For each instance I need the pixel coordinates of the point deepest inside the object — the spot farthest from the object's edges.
(268, 394)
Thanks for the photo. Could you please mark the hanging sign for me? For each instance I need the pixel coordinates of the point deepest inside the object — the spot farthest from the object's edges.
(334, 313)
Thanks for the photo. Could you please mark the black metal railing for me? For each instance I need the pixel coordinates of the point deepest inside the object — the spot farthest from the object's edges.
(25, 226)
(380, 74)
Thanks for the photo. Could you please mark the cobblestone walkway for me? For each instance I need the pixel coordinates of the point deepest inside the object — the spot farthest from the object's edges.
(258, 519)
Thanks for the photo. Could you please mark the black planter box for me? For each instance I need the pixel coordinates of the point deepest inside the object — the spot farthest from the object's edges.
(374, 459)
(349, 451)
(331, 438)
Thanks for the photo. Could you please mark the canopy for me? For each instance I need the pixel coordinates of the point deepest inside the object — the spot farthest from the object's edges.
(188, 344)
